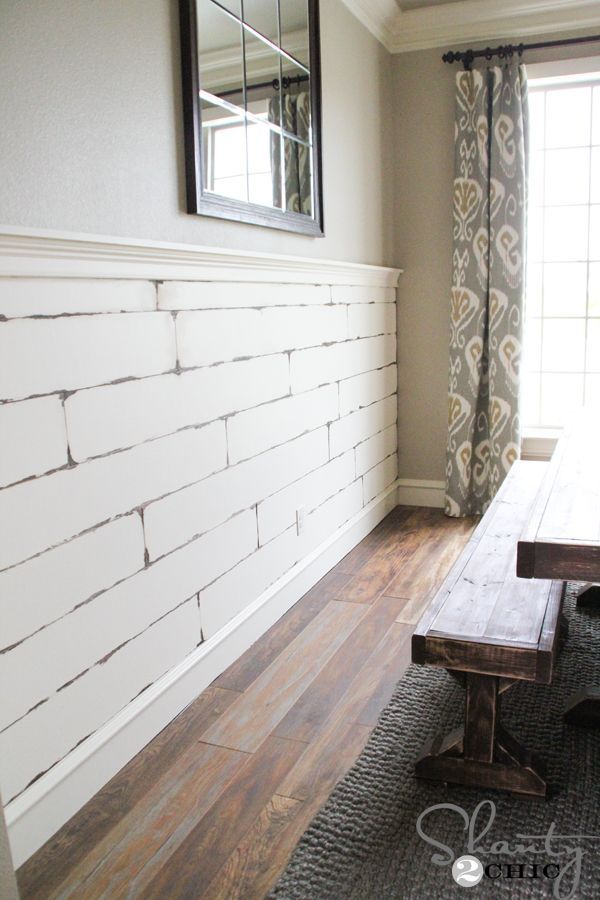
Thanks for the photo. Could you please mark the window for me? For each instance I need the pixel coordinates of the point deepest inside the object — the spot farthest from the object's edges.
(562, 305)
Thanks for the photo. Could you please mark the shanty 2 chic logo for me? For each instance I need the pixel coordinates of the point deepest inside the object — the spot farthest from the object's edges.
(467, 871)
(556, 858)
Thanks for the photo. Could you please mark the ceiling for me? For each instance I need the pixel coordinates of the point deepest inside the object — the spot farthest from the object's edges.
(403, 25)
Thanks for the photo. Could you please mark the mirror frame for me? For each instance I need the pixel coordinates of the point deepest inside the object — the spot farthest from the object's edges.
(205, 203)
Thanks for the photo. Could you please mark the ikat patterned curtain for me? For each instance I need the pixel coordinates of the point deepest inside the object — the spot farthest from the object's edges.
(298, 181)
(487, 285)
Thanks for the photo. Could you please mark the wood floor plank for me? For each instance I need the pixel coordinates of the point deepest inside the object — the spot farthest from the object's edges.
(326, 760)
(412, 610)
(385, 562)
(359, 709)
(382, 672)
(276, 858)
(47, 869)
(197, 860)
(260, 862)
(156, 826)
(249, 666)
(360, 555)
(424, 569)
(238, 879)
(314, 706)
(254, 714)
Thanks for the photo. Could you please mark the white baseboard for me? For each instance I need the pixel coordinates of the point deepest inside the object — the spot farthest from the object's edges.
(42, 809)
(412, 492)
(539, 446)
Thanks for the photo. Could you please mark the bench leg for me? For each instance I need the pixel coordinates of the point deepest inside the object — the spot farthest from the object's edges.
(481, 713)
(485, 755)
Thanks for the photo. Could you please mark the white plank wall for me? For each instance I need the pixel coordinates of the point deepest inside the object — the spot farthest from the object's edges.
(157, 440)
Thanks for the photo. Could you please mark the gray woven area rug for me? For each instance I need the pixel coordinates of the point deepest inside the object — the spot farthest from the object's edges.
(364, 843)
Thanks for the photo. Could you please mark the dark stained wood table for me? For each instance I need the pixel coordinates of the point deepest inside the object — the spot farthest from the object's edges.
(561, 539)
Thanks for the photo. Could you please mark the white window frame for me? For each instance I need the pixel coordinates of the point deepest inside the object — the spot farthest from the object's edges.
(539, 443)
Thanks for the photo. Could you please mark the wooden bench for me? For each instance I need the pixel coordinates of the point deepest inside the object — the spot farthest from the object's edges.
(491, 629)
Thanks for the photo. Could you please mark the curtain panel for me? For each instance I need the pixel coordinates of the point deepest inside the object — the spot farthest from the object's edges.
(295, 119)
(488, 269)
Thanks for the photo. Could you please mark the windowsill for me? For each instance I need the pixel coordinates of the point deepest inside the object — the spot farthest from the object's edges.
(539, 443)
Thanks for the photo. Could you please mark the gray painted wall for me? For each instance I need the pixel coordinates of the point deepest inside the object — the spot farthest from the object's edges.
(91, 136)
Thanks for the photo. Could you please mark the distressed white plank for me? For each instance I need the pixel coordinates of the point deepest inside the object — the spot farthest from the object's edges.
(118, 416)
(33, 438)
(42, 356)
(175, 519)
(43, 589)
(37, 515)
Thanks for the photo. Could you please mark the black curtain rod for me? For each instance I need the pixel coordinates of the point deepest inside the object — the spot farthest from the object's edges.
(286, 82)
(507, 51)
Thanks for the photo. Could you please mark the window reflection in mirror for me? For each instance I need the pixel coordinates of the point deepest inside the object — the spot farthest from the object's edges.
(250, 122)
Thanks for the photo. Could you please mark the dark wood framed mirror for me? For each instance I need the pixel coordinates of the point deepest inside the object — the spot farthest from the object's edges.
(252, 111)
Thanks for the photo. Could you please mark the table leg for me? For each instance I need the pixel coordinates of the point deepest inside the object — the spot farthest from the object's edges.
(588, 596)
(583, 708)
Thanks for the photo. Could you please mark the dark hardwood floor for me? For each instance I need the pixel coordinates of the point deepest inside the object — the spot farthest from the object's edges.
(215, 804)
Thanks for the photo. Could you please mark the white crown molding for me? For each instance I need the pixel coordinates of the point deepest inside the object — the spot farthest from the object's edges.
(378, 16)
(26, 252)
(471, 20)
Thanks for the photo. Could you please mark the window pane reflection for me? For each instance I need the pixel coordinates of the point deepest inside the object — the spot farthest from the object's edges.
(224, 152)
(264, 165)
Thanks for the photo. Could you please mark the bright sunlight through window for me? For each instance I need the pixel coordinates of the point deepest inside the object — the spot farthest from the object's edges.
(562, 308)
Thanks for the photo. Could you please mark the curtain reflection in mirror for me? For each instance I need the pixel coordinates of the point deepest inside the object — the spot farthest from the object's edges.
(295, 187)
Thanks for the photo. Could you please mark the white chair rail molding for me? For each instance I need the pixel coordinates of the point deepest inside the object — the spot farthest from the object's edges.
(191, 439)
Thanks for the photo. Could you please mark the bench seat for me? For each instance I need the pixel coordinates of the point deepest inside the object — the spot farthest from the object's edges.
(490, 629)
